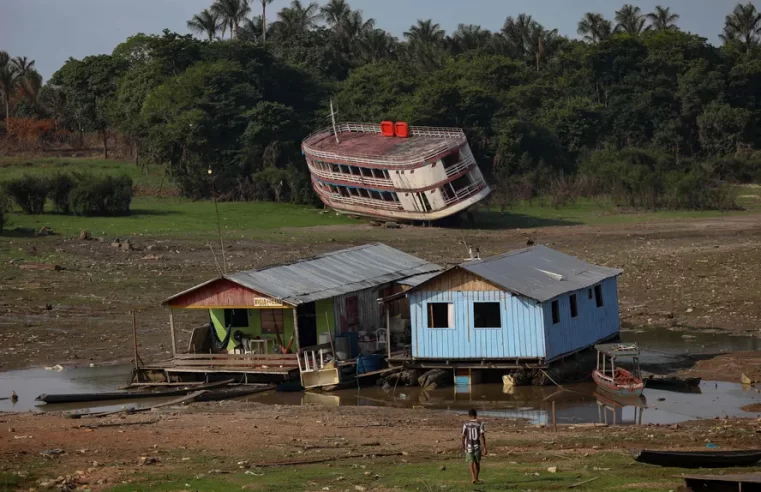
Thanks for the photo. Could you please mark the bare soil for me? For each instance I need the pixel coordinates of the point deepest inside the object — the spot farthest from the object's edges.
(701, 273)
(233, 435)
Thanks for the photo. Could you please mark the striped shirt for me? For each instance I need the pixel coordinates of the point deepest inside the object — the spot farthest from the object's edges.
(472, 431)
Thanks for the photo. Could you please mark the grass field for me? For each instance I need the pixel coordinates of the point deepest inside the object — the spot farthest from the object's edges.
(174, 215)
(607, 471)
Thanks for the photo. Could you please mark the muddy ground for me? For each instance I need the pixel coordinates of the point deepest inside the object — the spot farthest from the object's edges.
(232, 437)
(701, 273)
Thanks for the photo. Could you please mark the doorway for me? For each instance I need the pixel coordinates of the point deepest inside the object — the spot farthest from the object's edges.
(307, 323)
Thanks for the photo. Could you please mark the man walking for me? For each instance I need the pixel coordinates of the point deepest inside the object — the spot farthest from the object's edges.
(472, 435)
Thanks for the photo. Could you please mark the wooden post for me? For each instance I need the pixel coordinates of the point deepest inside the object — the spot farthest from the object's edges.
(388, 331)
(134, 341)
(296, 329)
(554, 418)
(330, 334)
(171, 330)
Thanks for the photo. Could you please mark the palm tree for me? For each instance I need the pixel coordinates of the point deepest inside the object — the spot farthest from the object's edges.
(23, 64)
(630, 20)
(297, 19)
(469, 38)
(595, 28)
(743, 24)
(231, 13)
(518, 33)
(426, 33)
(375, 45)
(335, 12)
(662, 19)
(264, 19)
(31, 85)
(9, 80)
(207, 22)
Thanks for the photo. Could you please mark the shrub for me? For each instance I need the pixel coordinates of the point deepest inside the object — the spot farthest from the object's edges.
(60, 189)
(29, 193)
(101, 195)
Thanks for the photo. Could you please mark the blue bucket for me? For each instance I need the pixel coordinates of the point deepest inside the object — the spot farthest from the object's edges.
(368, 363)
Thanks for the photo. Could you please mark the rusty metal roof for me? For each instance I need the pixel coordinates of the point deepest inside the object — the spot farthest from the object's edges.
(331, 274)
(539, 272)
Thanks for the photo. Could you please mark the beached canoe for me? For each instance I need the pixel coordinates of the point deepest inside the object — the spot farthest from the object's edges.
(698, 459)
(126, 395)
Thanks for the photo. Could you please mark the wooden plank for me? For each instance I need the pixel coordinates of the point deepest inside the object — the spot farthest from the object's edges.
(381, 372)
(230, 363)
(171, 331)
(584, 482)
(232, 370)
(458, 279)
(265, 357)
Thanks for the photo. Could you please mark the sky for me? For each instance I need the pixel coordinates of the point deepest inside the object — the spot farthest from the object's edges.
(51, 31)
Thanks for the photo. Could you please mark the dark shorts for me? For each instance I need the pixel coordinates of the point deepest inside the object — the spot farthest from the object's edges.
(474, 457)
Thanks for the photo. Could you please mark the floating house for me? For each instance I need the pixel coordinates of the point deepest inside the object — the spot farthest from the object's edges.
(394, 171)
(259, 320)
(523, 309)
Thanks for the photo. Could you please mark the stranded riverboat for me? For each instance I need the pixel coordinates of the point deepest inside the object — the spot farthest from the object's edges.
(617, 380)
(394, 171)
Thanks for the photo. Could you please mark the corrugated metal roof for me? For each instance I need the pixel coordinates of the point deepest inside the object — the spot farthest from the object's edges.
(417, 279)
(539, 272)
(332, 274)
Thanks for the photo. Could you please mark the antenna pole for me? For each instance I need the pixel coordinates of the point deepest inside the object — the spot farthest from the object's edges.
(219, 227)
(333, 117)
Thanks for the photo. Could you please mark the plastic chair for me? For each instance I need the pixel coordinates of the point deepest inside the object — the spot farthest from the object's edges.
(380, 338)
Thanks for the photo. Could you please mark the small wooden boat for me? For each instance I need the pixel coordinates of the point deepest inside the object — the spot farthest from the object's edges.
(617, 380)
(126, 395)
(698, 459)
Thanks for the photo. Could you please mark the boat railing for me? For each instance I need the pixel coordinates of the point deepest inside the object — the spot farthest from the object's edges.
(464, 164)
(466, 192)
(358, 200)
(453, 138)
(351, 178)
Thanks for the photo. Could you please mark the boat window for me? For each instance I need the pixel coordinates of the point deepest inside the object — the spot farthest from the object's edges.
(461, 182)
(236, 318)
(271, 321)
(487, 315)
(344, 191)
(386, 175)
(598, 295)
(364, 192)
(335, 168)
(376, 195)
(574, 307)
(555, 312)
(451, 159)
(366, 171)
(448, 191)
(354, 192)
(379, 173)
(388, 196)
(395, 196)
(440, 315)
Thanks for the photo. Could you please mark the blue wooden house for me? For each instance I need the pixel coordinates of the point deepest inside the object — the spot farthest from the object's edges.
(524, 308)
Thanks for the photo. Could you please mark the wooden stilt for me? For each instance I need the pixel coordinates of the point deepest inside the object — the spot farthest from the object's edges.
(296, 329)
(388, 331)
(171, 330)
(554, 418)
(134, 341)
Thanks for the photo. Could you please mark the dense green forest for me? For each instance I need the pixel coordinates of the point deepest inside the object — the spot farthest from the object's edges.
(634, 107)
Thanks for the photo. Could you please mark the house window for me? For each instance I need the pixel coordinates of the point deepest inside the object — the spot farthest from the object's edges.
(555, 312)
(598, 295)
(589, 293)
(236, 318)
(271, 321)
(487, 315)
(440, 315)
(574, 307)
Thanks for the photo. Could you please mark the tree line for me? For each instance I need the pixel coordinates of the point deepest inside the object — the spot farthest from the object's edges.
(634, 107)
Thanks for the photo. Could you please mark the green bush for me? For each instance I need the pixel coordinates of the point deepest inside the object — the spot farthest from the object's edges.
(101, 195)
(28, 192)
(60, 189)
(3, 209)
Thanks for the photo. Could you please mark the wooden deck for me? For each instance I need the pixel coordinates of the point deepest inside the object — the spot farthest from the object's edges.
(248, 368)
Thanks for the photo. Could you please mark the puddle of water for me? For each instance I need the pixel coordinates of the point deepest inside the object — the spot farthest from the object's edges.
(579, 404)
(30, 383)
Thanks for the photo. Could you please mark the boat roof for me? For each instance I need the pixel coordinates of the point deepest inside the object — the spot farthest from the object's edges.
(364, 142)
(331, 274)
(618, 349)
